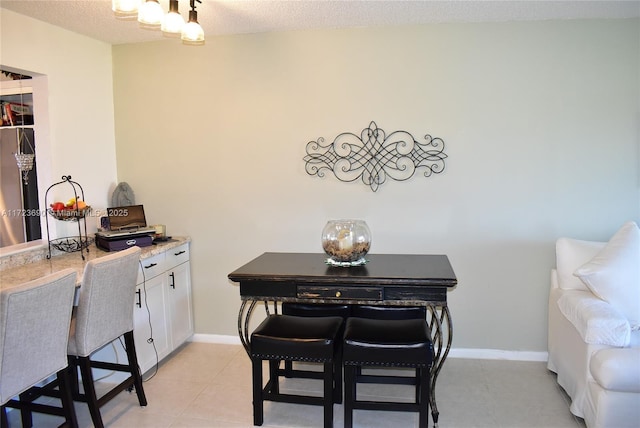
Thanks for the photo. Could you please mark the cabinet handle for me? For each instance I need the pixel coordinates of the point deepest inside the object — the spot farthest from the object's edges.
(179, 252)
(173, 281)
(151, 265)
(139, 302)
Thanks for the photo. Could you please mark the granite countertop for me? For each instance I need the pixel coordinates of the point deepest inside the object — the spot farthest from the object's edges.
(10, 276)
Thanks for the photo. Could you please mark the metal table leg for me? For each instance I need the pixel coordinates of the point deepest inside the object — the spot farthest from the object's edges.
(438, 318)
(244, 316)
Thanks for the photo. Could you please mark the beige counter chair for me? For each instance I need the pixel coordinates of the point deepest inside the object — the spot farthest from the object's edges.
(34, 331)
(104, 314)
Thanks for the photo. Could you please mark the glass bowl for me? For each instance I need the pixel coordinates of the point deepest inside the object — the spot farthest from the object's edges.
(346, 242)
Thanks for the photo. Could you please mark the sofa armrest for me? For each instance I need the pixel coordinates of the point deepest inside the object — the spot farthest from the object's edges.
(597, 321)
(617, 369)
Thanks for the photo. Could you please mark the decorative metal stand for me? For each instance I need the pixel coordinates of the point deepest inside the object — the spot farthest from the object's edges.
(69, 244)
(373, 156)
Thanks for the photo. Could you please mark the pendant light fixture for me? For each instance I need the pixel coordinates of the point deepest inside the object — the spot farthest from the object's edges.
(192, 32)
(150, 15)
(25, 155)
(173, 22)
(125, 9)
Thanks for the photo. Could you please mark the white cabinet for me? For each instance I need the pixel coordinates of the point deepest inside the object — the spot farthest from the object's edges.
(163, 312)
(150, 322)
(179, 301)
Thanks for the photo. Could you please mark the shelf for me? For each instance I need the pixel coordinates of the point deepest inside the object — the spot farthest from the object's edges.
(17, 126)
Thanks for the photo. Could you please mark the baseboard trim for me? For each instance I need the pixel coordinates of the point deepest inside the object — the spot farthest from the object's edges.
(215, 338)
(497, 354)
(481, 354)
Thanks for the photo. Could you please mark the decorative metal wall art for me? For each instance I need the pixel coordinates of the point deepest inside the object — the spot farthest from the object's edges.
(373, 156)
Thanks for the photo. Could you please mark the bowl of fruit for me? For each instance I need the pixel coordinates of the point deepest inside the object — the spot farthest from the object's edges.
(72, 210)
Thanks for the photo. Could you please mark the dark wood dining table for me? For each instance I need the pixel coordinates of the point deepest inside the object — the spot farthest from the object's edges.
(386, 279)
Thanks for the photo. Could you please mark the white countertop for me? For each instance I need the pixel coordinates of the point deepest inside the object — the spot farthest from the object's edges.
(28, 271)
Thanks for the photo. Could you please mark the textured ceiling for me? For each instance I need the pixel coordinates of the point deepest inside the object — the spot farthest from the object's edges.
(95, 19)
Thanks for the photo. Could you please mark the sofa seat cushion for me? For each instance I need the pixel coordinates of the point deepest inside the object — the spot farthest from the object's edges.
(597, 321)
(614, 273)
(617, 369)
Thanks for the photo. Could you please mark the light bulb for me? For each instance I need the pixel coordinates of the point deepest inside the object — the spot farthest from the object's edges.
(150, 15)
(173, 22)
(192, 32)
(125, 9)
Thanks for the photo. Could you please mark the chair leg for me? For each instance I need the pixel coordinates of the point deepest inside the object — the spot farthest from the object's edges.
(424, 395)
(288, 368)
(25, 414)
(418, 384)
(64, 382)
(90, 391)
(328, 393)
(349, 394)
(72, 368)
(274, 382)
(258, 411)
(4, 421)
(133, 367)
(337, 376)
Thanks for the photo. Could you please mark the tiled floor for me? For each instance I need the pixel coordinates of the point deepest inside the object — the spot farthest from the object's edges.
(209, 385)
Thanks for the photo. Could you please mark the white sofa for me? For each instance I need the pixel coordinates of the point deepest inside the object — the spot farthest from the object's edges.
(594, 334)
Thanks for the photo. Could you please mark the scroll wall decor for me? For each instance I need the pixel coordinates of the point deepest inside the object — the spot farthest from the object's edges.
(373, 156)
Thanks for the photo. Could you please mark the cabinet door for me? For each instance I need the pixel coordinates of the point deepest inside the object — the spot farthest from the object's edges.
(150, 322)
(180, 308)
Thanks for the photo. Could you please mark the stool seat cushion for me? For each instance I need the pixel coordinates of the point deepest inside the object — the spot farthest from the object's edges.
(387, 343)
(289, 337)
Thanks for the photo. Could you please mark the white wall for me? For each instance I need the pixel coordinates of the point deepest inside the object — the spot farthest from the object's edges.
(540, 122)
(76, 125)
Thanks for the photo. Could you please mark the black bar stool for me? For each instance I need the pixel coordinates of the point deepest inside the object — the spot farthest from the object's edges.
(387, 343)
(292, 338)
(389, 312)
(318, 310)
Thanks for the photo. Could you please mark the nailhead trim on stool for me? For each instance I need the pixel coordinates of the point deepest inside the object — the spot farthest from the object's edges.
(293, 338)
(387, 343)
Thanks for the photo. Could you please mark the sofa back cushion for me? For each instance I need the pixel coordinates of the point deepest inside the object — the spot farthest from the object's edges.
(613, 274)
(570, 255)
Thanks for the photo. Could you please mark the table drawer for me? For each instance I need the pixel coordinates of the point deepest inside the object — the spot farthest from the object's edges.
(424, 294)
(339, 293)
(267, 289)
